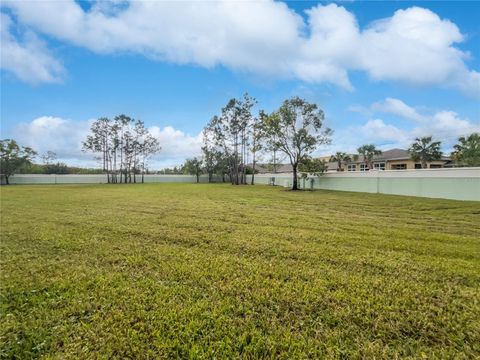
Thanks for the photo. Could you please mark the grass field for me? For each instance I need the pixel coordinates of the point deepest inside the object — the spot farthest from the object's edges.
(204, 271)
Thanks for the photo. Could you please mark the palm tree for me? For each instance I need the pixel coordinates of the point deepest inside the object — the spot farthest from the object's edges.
(340, 158)
(467, 151)
(423, 150)
(368, 152)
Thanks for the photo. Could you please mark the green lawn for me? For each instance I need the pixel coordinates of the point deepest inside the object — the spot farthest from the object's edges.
(204, 271)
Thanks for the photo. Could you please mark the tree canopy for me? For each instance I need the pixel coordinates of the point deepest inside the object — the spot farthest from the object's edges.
(296, 129)
(467, 150)
(340, 158)
(193, 167)
(368, 152)
(123, 146)
(425, 150)
(13, 156)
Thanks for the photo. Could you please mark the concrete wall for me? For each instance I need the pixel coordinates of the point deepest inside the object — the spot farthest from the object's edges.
(99, 179)
(456, 183)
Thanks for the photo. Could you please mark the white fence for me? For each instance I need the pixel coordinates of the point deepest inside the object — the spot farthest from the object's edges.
(455, 183)
(99, 179)
(452, 183)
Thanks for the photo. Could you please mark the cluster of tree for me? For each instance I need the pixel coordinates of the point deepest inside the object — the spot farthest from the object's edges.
(235, 136)
(194, 167)
(424, 149)
(13, 156)
(228, 140)
(176, 170)
(467, 151)
(50, 165)
(54, 168)
(294, 131)
(123, 146)
(17, 159)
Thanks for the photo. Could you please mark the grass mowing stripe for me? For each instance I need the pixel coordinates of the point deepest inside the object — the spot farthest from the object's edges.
(202, 271)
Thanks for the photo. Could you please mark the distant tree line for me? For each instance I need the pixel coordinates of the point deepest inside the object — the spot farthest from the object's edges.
(232, 142)
(50, 165)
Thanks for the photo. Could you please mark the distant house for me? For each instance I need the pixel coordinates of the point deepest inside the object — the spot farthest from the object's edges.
(394, 159)
(286, 168)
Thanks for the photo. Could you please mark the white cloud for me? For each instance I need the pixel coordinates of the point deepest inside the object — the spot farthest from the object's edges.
(268, 38)
(176, 145)
(64, 137)
(399, 108)
(28, 59)
(415, 46)
(377, 130)
(447, 126)
(444, 125)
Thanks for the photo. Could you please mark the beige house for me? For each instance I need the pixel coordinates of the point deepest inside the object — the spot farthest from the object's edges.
(394, 159)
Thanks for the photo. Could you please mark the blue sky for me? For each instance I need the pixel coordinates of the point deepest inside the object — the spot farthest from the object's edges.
(384, 72)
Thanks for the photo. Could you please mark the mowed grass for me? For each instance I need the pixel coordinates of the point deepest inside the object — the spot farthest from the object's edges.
(217, 271)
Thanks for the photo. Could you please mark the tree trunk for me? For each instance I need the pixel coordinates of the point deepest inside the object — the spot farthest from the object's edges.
(274, 162)
(295, 180)
(244, 161)
(424, 164)
(253, 171)
(198, 178)
(6, 180)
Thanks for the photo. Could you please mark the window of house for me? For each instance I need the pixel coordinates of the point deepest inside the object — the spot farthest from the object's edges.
(418, 166)
(399, 166)
(363, 167)
(379, 166)
(435, 166)
(352, 167)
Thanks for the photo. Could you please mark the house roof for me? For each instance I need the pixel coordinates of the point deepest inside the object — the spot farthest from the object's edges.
(287, 168)
(264, 168)
(392, 154)
(284, 168)
(387, 155)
